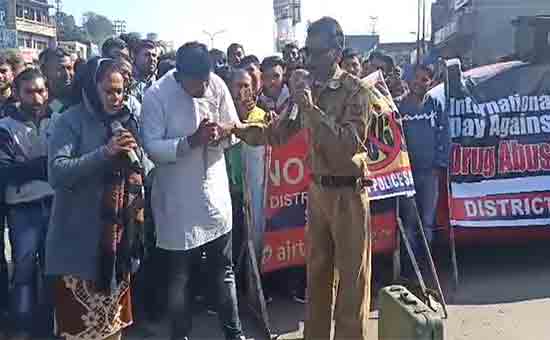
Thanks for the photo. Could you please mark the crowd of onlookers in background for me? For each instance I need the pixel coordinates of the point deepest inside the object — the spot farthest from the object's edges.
(65, 124)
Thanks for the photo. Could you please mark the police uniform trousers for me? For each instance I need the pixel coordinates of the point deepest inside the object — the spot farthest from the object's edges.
(338, 239)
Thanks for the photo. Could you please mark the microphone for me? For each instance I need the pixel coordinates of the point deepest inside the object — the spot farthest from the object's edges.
(299, 79)
(117, 129)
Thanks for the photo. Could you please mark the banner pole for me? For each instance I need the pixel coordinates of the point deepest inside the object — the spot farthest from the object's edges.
(410, 251)
(430, 259)
(452, 241)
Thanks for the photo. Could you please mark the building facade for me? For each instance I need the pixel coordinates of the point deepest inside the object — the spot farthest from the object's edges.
(288, 13)
(28, 24)
(401, 52)
(480, 32)
(364, 43)
(76, 48)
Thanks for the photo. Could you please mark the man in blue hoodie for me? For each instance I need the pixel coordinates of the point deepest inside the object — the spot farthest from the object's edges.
(426, 128)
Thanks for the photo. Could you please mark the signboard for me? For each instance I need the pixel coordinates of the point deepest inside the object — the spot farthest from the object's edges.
(387, 158)
(460, 3)
(3, 16)
(282, 9)
(286, 200)
(500, 160)
(288, 9)
(288, 181)
(3, 13)
(8, 38)
(446, 32)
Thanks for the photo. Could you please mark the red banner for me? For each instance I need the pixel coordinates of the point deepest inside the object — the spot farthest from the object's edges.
(288, 181)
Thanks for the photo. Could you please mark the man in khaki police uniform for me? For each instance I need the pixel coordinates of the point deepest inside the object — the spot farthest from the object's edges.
(336, 111)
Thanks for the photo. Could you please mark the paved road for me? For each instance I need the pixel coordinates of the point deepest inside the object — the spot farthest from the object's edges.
(504, 294)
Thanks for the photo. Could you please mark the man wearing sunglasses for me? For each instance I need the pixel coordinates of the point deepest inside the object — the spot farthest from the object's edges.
(334, 106)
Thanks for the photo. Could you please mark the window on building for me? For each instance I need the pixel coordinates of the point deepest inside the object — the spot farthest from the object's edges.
(27, 13)
(40, 45)
(19, 12)
(21, 42)
(28, 43)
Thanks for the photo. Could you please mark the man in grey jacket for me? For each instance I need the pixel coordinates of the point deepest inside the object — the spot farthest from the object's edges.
(23, 163)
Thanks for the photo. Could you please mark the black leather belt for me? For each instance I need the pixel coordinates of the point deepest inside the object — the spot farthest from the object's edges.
(335, 181)
(45, 202)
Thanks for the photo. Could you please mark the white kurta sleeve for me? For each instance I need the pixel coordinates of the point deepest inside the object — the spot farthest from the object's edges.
(160, 149)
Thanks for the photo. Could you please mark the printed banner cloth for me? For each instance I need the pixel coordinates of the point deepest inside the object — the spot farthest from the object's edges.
(500, 162)
(388, 160)
(288, 179)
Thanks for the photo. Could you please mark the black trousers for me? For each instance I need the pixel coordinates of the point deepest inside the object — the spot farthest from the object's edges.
(426, 198)
(219, 264)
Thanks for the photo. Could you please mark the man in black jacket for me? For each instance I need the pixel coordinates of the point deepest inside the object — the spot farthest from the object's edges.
(58, 69)
(6, 99)
(28, 196)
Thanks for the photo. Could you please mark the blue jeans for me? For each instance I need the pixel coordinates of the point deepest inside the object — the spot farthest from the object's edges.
(28, 225)
(4, 279)
(426, 198)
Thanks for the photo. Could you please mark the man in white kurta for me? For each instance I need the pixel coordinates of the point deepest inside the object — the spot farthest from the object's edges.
(182, 115)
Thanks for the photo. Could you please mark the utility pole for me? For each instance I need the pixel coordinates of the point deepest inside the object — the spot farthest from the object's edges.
(212, 36)
(418, 32)
(423, 26)
(58, 7)
(58, 18)
(373, 22)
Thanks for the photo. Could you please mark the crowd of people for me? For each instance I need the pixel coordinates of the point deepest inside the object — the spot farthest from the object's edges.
(121, 175)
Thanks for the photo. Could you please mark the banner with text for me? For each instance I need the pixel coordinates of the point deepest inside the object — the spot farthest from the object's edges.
(500, 155)
(387, 158)
(288, 179)
(287, 182)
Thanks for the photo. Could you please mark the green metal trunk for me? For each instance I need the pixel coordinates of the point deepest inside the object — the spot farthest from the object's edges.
(405, 317)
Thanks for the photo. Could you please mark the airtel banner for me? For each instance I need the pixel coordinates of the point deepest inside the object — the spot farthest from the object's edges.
(288, 180)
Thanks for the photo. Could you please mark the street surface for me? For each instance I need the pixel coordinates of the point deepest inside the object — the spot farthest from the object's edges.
(504, 294)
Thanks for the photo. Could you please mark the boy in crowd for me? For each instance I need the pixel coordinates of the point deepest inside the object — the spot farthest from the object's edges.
(426, 128)
(351, 62)
(275, 96)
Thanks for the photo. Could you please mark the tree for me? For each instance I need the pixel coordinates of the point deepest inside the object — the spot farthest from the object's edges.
(97, 26)
(68, 30)
(135, 35)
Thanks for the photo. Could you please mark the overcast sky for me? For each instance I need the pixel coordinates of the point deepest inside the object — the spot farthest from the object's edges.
(249, 22)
